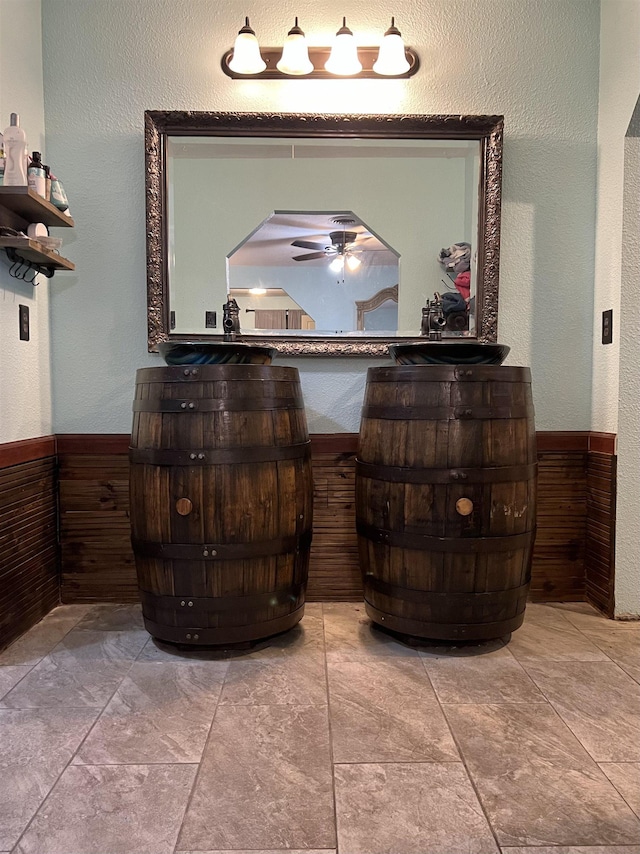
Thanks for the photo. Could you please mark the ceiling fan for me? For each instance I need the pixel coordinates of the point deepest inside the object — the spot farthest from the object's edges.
(340, 243)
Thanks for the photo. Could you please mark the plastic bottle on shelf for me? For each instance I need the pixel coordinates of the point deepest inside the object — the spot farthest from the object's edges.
(58, 196)
(15, 151)
(36, 176)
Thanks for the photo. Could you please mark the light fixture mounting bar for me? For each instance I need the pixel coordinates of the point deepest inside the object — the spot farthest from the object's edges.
(318, 56)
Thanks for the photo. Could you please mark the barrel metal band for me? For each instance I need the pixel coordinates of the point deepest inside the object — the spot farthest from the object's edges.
(217, 373)
(192, 605)
(198, 636)
(449, 373)
(217, 404)
(404, 474)
(449, 601)
(460, 545)
(221, 551)
(219, 456)
(397, 412)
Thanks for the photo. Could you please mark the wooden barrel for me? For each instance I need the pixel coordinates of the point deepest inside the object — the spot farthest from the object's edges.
(446, 499)
(221, 501)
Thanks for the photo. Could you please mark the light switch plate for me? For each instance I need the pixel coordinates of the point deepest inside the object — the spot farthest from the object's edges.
(23, 312)
(607, 326)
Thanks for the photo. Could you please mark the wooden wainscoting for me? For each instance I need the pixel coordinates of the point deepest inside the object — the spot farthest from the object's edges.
(601, 522)
(95, 534)
(570, 555)
(29, 565)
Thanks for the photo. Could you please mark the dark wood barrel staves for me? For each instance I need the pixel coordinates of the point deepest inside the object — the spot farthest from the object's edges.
(446, 499)
(221, 501)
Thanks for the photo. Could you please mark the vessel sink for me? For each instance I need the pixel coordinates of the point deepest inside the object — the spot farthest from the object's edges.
(215, 353)
(448, 353)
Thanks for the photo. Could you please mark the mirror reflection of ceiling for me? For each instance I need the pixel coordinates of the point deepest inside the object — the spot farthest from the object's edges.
(410, 198)
(309, 271)
(271, 244)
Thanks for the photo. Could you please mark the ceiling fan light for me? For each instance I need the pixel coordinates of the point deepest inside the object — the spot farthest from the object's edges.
(353, 262)
(392, 59)
(257, 291)
(343, 59)
(295, 54)
(337, 265)
(246, 57)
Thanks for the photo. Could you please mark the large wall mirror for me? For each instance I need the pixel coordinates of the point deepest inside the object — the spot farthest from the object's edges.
(330, 231)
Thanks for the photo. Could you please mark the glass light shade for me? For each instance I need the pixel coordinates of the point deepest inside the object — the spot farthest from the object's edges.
(391, 56)
(246, 57)
(343, 59)
(353, 262)
(337, 265)
(295, 54)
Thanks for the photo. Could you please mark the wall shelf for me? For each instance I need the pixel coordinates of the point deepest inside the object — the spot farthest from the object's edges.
(20, 206)
(33, 251)
(26, 205)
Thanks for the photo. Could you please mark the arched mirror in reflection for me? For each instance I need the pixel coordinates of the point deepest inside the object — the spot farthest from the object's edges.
(322, 213)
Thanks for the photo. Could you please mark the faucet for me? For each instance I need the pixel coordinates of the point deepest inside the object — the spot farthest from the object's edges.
(231, 319)
(433, 319)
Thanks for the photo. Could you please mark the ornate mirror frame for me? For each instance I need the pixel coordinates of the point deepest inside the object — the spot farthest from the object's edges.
(161, 124)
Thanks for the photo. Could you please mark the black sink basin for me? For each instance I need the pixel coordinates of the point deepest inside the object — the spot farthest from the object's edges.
(215, 353)
(448, 353)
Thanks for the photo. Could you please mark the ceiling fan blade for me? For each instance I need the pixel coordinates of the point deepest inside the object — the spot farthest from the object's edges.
(307, 244)
(309, 257)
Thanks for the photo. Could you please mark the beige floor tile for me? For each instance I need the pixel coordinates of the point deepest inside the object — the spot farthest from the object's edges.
(409, 808)
(537, 783)
(264, 782)
(36, 745)
(583, 849)
(263, 851)
(111, 809)
(10, 675)
(160, 713)
(547, 635)
(481, 679)
(110, 618)
(285, 680)
(599, 703)
(350, 635)
(625, 776)
(158, 652)
(84, 669)
(385, 711)
(43, 637)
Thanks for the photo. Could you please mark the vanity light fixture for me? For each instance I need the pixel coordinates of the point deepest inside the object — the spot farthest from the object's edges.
(246, 57)
(391, 60)
(295, 54)
(296, 60)
(343, 60)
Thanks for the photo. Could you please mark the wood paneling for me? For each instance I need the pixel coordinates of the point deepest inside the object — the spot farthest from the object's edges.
(600, 531)
(95, 534)
(98, 562)
(557, 572)
(29, 564)
(334, 571)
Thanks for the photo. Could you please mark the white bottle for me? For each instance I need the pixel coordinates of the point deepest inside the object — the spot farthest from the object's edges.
(15, 152)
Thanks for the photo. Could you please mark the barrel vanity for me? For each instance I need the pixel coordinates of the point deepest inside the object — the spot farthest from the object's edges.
(446, 498)
(221, 501)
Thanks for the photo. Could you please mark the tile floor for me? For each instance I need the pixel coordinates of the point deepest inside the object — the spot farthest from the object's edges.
(332, 738)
